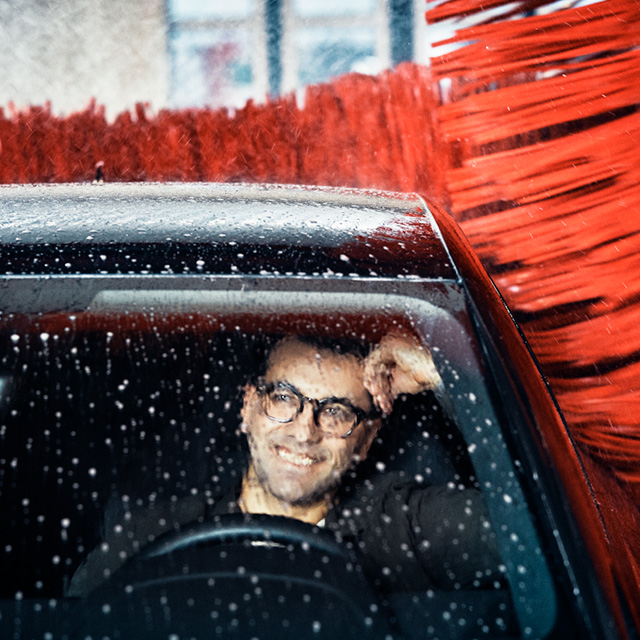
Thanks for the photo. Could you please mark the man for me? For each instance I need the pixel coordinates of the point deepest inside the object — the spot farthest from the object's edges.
(309, 419)
(296, 421)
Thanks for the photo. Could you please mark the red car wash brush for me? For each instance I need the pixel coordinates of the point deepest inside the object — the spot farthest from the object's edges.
(541, 117)
(358, 131)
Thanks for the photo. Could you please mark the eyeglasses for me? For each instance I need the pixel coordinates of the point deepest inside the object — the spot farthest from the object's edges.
(336, 417)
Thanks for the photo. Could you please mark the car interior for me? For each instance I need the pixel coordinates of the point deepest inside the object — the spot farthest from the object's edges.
(146, 404)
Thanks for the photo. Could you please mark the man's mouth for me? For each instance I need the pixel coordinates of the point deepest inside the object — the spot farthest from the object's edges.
(298, 459)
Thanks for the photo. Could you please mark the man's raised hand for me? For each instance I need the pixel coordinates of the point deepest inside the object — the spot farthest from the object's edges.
(398, 364)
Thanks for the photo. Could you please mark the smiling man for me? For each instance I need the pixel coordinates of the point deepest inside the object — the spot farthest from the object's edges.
(307, 421)
(310, 418)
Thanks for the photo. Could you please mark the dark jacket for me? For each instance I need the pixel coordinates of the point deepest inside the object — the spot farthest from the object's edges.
(410, 536)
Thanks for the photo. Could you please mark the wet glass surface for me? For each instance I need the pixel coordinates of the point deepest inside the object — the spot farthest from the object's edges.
(119, 428)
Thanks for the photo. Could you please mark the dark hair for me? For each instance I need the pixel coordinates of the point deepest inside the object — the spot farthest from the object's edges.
(340, 346)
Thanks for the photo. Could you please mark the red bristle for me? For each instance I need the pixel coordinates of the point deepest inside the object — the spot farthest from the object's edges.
(543, 170)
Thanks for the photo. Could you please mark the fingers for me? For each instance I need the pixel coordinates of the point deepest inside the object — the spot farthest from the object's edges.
(399, 364)
(377, 380)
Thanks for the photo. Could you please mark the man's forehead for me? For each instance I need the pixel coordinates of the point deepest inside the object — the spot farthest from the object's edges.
(291, 351)
(318, 372)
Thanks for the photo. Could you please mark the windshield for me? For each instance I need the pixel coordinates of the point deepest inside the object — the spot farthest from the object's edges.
(127, 423)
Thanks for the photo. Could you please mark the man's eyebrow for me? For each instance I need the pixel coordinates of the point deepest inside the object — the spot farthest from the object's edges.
(283, 382)
(280, 381)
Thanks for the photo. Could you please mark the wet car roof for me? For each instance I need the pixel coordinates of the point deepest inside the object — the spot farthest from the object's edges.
(339, 230)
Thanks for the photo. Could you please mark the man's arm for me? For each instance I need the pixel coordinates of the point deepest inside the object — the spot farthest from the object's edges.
(450, 523)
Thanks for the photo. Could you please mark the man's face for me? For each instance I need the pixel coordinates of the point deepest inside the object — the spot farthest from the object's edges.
(295, 461)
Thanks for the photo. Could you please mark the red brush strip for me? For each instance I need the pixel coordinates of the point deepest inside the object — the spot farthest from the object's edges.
(447, 9)
(548, 104)
(604, 155)
(543, 126)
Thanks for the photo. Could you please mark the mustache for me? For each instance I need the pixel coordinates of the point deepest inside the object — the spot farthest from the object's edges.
(318, 453)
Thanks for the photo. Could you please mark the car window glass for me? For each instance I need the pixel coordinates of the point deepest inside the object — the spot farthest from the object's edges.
(109, 417)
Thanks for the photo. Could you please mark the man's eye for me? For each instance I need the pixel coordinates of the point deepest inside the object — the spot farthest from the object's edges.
(337, 411)
(282, 397)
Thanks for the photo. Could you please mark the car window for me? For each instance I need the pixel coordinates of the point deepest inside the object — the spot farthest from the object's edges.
(133, 407)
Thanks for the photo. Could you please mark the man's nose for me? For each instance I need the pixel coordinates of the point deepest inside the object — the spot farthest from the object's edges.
(304, 427)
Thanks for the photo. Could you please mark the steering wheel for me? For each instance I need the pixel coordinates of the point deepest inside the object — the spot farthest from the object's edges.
(155, 583)
(276, 530)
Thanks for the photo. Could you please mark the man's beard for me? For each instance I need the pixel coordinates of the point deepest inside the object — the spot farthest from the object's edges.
(324, 489)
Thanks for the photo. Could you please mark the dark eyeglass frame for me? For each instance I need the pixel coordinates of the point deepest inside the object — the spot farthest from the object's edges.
(264, 388)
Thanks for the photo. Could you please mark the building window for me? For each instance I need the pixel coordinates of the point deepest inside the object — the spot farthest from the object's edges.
(224, 53)
(326, 38)
(218, 52)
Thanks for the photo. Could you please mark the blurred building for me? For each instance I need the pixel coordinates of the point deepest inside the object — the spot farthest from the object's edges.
(181, 53)
(69, 51)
